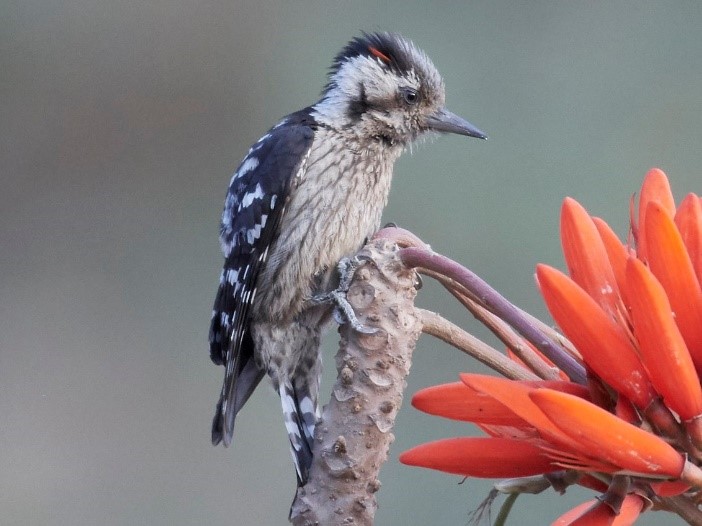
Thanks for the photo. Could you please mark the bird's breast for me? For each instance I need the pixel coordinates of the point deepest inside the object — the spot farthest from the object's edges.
(335, 203)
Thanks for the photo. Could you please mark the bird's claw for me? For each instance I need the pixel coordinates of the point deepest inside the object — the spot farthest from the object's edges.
(347, 268)
(343, 311)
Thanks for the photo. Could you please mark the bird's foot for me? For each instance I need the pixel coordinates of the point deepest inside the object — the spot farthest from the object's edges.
(343, 311)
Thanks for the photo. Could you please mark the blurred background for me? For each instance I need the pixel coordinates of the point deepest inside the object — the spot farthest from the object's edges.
(122, 122)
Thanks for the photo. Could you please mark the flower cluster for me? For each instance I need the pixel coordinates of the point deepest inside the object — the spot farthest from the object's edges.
(632, 313)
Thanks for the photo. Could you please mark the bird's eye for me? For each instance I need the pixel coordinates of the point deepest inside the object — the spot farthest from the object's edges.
(409, 95)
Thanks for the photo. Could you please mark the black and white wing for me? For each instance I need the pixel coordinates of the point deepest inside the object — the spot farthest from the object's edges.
(250, 222)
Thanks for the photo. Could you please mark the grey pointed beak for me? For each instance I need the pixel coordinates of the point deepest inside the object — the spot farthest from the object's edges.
(446, 122)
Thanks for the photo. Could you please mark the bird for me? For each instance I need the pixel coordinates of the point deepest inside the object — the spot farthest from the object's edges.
(308, 194)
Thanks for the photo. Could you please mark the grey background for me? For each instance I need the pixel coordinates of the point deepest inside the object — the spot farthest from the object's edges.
(121, 124)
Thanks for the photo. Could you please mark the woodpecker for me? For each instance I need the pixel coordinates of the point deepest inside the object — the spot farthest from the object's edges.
(306, 195)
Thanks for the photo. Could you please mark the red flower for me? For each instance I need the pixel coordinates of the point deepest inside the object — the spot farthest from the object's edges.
(634, 319)
(481, 457)
(597, 513)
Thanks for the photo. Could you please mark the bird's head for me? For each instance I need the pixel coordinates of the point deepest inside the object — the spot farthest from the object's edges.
(382, 87)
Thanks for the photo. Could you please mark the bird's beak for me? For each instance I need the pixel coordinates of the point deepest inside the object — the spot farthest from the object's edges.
(447, 122)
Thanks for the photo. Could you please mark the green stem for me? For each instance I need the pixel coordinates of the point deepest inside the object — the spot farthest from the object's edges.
(506, 507)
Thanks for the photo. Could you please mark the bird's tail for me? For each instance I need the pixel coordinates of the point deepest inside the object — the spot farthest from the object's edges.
(301, 414)
(241, 376)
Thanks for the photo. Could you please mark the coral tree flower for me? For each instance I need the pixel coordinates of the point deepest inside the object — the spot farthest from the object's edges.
(481, 457)
(633, 314)
(596, 513)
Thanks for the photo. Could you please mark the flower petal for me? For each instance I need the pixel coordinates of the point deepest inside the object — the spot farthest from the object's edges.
(617, 254)
(597, 513)
(578, 461)
(633, 506)
(517, 433)
(655, 188)
(459, 402)
(600, 433)
(669, 488)
(670, 263)
(662, 347)
(569, 516)
(625, 410)
(602, 343)
(480, 457)
(586, 257)
(689, 222)
(590, 482)
(516, 396)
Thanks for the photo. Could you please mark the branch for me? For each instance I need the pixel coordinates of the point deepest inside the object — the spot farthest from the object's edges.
(354, 434)
(497, 326)
(446, 331)
(687, 510)
(497, 304)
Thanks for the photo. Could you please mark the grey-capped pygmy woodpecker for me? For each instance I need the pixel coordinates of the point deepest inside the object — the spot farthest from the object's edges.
(306, 195)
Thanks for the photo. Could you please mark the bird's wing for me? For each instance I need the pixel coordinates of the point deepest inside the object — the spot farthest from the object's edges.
(252, 211)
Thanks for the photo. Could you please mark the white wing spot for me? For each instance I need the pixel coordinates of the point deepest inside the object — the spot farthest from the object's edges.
(232, 276)
(226, 247)
(249, 198)
(249, 164)
(253, 234)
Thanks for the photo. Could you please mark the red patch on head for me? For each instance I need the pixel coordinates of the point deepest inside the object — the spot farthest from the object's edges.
(377, 53)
